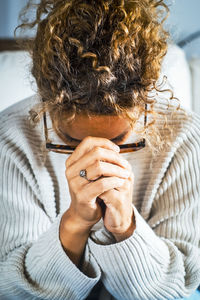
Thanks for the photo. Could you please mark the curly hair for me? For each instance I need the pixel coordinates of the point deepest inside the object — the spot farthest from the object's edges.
(98, 57)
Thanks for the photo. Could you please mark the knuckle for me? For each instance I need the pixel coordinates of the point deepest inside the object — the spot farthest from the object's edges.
(97, 150)
(68, 162)
(67, 174)
(84, 143)
(73, 183)
(98, 167)
(87, 139)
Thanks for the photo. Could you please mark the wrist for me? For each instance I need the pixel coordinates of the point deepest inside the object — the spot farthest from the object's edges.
(127, 233)
(73, 238)
(72, 225)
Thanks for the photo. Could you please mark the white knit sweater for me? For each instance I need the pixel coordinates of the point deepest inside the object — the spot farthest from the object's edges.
(161, 260)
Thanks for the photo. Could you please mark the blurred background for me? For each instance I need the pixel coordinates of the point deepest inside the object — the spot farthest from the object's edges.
(183, 21)
(182, 65)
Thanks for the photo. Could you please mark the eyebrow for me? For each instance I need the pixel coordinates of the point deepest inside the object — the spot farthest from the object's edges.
(114, 139)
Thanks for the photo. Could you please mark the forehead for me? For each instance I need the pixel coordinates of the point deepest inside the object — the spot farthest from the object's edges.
(106, 125)
(94, 120)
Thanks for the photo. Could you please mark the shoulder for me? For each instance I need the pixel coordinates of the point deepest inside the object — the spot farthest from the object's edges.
(182, 151)
(184, 122)
(187, 138)
(188, 129)
(17, 136)
(18, 109)
(185, 147)
(187, 155)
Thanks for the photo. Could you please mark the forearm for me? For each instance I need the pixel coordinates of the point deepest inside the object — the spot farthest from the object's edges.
(73, 238)
(148, 263)
(36, 268)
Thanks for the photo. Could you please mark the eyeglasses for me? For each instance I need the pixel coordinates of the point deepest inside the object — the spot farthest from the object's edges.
(67, 149)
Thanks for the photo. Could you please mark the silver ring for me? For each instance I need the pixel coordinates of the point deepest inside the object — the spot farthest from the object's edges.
(83, 173)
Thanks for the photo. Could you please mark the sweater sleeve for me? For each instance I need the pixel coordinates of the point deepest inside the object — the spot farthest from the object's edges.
(33, 264)
(161, 260)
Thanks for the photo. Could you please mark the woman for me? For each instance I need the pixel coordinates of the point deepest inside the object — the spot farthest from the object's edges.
(115, 213)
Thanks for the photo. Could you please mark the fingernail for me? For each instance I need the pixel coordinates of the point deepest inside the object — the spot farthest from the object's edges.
(121, 181)
(125, 163)
(116, 148)
(126, 174)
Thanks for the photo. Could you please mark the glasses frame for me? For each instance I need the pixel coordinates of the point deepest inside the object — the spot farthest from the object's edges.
(67, 149)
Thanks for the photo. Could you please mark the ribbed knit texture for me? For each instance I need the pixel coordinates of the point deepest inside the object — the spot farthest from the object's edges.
(161, 260)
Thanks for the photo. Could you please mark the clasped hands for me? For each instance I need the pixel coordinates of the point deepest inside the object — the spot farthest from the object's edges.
(114, 186)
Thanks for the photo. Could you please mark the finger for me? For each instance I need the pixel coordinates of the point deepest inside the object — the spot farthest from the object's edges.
(93, 157)
(101, 168)
(93, 189)
(111, 194)
(128, 184)
(87, 144)
(115, 198)
(112, 199)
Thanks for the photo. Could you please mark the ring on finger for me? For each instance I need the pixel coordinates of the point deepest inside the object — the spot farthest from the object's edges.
(83, 173)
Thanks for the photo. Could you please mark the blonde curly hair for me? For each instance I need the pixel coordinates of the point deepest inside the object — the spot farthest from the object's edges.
(98, 57)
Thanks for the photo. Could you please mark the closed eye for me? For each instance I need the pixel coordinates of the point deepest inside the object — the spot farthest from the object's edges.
(70, 139)
(115, 140)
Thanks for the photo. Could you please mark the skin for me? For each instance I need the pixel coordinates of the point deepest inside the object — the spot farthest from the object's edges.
(97, 126)
(113, 185)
